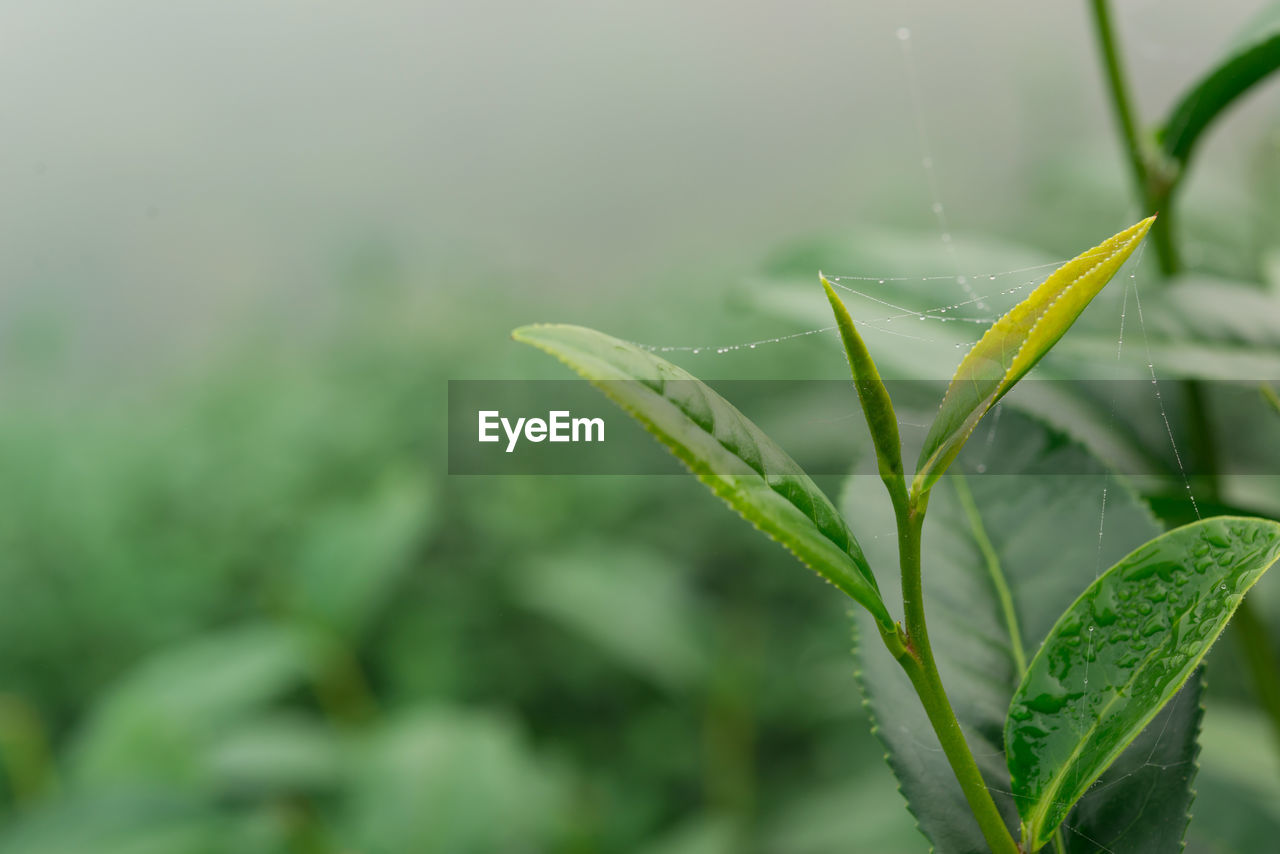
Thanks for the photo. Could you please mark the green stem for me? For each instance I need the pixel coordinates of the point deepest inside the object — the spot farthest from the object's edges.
(1155, 190)
(912, 650)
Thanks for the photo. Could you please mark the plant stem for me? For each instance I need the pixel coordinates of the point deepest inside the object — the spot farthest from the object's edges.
(1154, 189)
(916, 657)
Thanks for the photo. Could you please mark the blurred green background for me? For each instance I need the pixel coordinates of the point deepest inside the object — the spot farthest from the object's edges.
(244, 608)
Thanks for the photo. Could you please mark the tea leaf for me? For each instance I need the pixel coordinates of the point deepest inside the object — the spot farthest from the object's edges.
(1013, 345)
(1254, 56)
(1038, 533)
(874, 397)
(728, 453)
(1120, 653)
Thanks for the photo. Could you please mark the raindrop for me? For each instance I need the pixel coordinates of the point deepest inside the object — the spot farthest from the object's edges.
(903, 34)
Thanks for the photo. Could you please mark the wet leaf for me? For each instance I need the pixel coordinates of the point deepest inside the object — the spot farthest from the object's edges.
(1120, 653)
(727, 452)
(1013, 345)
(1040, 533)
(1251, 58)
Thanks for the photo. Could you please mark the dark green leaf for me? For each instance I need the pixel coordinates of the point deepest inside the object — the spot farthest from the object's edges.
(728, 453)
(1254, 56)
(1041, 534)
(1122, 651)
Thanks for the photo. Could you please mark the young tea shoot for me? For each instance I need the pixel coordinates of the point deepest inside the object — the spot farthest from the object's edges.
(1114, 659)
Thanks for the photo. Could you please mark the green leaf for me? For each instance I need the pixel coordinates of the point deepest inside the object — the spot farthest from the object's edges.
(1122, 651)
(1254, 56)
(634, 604)
(121, 822)
(1013, 345)
(728, 453)
(872, 395)
(440, 780)
(161, 719)
(1038, 533)
(353, 554)
(277, 753)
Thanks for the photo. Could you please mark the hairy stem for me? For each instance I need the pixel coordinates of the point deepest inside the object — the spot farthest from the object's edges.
(912, 650)
(1154, 189)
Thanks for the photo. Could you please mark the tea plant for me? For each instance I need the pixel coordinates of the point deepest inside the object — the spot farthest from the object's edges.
(1112, 661)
